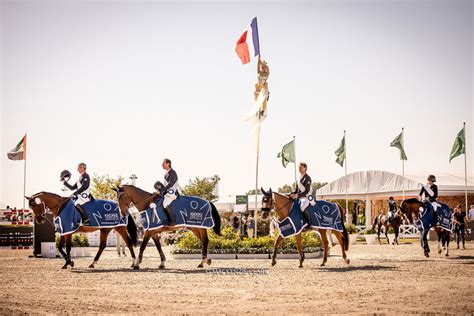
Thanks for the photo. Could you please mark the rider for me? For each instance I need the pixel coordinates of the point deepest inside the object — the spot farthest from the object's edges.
(429, 192)
(82, 194)
(303, 191)
(169, 190)
(392, 208)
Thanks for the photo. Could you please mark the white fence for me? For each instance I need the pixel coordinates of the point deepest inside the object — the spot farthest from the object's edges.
(406, 231)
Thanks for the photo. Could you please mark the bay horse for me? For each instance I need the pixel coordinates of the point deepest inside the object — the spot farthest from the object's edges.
(130, 195)
(43, 202)
(282, 206)
(395, 223)
(411, 208)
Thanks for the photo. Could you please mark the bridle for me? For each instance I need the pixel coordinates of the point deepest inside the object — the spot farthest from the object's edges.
(273, 205)
(151, 197)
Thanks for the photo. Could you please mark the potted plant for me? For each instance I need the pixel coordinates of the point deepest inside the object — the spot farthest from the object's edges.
(80, 246)
(370, 236)
(352, 231)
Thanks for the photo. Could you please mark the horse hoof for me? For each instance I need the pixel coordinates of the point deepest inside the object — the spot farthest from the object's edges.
(71, 264)
(64, 266)
(323, 264)
(300, 266)
(136, 267)
(91, 266)
(447, 255)
(273, 263)
(209, 261)
(427, 255)
(347, 261)
(161, 267)
(439, 251)
(200, 265)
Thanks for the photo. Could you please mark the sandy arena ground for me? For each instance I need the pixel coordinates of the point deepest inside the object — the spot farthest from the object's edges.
(380, 279)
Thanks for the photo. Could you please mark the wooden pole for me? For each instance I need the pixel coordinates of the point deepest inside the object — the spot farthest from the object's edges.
(465, 166)
(403, 163)
(345, 173)
(294, 147)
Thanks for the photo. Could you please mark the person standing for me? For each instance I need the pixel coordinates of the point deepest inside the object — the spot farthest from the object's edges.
(460, 219)
(250, 226)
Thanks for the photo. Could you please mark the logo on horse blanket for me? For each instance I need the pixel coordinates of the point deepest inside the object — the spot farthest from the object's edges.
(323, 214)
(101, 214)
(429, 219)
(188, 211)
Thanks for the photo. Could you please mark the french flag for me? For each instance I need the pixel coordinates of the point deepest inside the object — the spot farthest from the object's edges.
(242, 48)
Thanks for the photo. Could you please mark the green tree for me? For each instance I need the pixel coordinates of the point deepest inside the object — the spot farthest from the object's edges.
(317, 185)
(102, 187)
(205, 188)
(287, 189)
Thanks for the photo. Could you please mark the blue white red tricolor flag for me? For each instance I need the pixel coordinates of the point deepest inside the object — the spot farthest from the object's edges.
(242, 47)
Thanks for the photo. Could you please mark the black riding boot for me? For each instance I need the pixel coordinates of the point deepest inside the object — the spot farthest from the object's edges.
(169, 214)
(307, 218)
(82, 212)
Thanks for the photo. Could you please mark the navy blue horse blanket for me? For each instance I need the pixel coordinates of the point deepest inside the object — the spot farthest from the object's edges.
(188, 211)
(101, 214)
(323, 214)
(428, 218)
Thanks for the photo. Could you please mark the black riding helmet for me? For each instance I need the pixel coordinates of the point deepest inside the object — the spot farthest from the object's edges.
(431, 178)
(64, 174)
(158, 186)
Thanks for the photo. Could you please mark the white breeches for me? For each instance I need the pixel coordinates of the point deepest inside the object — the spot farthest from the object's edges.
(82, 198)
(169, 197)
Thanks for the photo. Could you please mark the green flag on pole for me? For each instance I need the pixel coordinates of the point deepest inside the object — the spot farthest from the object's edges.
(341, 152)
(398, 143)
(459, 146)
(287, 153)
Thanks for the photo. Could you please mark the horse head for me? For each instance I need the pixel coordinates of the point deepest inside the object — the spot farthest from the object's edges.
(41, 202)
(411, 208)
(267, 202)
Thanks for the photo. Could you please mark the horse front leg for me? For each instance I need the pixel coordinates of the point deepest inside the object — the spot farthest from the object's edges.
(397, 232)
(122, 230)
(275, 247)
(440, 240)
(379, 228)
(299, 246)
(324, 237)
(146, 239)
(447, 237)
(386, 235)
(156, 239)
(343, 249)
(426, 247)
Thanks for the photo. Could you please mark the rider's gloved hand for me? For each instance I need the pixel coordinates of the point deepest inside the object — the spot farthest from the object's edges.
(73, 196)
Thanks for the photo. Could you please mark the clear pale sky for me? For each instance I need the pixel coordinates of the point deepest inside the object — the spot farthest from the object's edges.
(121, 85)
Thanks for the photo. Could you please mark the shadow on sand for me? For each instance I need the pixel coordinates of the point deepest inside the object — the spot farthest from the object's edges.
(358, 268)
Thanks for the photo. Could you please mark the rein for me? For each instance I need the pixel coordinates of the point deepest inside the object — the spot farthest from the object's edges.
(284, 205)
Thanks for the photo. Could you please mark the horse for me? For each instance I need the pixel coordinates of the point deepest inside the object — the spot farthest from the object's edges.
(395, 223)
(130, 195)
(282, 206)
(411, 208)
(43, 202)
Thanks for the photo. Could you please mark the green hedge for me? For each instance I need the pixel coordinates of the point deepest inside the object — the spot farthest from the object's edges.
(230, 242)
(78, 240)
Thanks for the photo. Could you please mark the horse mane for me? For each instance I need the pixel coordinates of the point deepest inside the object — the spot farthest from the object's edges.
(134, 188)
(44, 192)
(281, 195)
(411, 200)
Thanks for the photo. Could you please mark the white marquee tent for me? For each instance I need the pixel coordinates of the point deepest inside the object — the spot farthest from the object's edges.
(372, 184)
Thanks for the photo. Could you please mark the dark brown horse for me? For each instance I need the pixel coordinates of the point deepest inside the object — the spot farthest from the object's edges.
(43, 202)
(411, 208)
(395, 223)
(130, 195)
(282, 206)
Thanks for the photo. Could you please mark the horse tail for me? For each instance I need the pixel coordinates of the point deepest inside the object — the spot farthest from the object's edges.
(345, 235)
(217, 219)
(132, 230)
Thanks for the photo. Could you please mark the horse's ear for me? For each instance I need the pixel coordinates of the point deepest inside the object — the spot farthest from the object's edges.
(115, 189)
(270, 192)
(263, 191)
(28, 198)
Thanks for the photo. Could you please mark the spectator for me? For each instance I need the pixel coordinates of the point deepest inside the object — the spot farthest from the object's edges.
(250, 226)
(459, 219)
(235, 223)
(471, 213)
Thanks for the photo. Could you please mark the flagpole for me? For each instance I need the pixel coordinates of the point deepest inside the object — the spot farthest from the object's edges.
(256, 174)
(403, 163)
(294, 162)
(24, 175)
(345, 173)
(465, 166)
